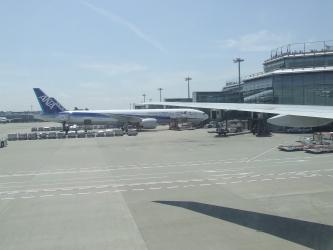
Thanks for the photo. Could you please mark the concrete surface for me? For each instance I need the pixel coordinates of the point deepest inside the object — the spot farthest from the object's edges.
(163, 190)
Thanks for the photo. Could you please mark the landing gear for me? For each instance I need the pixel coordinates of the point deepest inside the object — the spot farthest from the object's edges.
(174, 124)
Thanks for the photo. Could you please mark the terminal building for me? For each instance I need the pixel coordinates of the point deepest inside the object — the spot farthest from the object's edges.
(303, 77)
(299, 74)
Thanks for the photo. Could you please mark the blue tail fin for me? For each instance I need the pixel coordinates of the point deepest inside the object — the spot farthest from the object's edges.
(49, 105)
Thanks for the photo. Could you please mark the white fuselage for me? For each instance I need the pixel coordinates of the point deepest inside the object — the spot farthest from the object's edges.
(162, 116)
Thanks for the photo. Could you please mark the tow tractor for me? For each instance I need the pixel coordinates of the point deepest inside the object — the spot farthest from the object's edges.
(3, 142)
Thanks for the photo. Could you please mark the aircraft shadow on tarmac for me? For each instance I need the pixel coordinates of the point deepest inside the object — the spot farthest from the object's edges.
(309, 234)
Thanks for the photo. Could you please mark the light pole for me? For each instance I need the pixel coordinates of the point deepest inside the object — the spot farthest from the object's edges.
(239, 60)
(160, 90)
(144, 97)
(188, 79)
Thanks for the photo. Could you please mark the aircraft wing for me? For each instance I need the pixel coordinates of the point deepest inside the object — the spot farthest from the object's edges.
(292, 115)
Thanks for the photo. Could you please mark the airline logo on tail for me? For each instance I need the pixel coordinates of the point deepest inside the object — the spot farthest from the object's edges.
(48, 104)
(49, 101)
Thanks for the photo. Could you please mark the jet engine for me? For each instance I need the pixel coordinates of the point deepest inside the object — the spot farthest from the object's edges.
(149, 123)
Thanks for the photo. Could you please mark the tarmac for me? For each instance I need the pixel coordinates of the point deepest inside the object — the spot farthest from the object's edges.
(163, 190)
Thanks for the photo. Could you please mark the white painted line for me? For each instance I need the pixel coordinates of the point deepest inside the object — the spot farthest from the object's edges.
(256, 175)
(266, 179)
(155, 188)
(83, 193)
(31, 191)
(259, 155)
(281, 178)
(46, 195)
(234, 182)
(8, 198)
(251, 180)
(212, 179)
(49, 190)
(65, 194)
(119, 190)
(294, 177)
(191, 185)
(66, 189)
(103, 186)
(181, 181)
(27, 197)
(103, 192)
(205, 184)
(196, 180)
(138, 189)
(220, 183)
(172, 187)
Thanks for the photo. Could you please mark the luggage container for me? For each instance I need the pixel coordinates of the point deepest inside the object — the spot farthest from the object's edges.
(52, 135)
(90, 134)
(22, 136)
(40, 129)
(71, 134)
(61, 135)
(12, 137)
(34, 129)
(132, 132)
(81, 134)
(118, 132)
(100, 133)
(42, 135)
(46, 128)
(109, 132)
(32, 136)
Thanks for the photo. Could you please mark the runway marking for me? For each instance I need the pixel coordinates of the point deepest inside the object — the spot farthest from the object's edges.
(280, 178)
(27, 197)
(220, 183)
(137, 189)
(84, 193)
(205, 184)
(120, 190)
(103, 192)
(191, 185)
(46, 195)
(261, 154)
(234, 182)
(66, 194)
(266, 179)
(31, 191)
(251, 180)
(172, 187)
(8, 198)
(155, 188)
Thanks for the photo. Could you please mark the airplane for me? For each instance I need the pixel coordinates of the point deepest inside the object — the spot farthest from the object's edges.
(52, 110)
(286, 115)
(4, 120)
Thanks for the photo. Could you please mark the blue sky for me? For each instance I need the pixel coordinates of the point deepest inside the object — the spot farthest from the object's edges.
(105, 54)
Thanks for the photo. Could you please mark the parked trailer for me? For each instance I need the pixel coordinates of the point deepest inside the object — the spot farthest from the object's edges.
(32, 136)
(12, 137)
(61, 135)
(81, 134)
(42, 135)
(22, 136)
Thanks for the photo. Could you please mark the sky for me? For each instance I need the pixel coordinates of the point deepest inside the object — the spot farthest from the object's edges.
(105, 54)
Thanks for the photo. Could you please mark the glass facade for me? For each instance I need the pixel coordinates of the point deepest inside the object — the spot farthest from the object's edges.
(312, 88)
